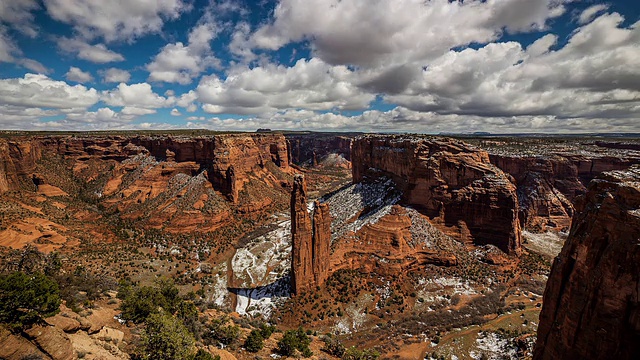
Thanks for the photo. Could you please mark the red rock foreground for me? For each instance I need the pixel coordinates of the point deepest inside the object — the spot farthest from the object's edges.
(591, 307)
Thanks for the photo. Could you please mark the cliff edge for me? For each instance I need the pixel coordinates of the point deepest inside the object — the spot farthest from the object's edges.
(592, 300)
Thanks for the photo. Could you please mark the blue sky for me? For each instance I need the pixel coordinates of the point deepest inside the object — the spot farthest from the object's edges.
(368, 65)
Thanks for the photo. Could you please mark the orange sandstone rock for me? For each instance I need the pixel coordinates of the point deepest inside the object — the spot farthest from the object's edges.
(591, 306)
(310, 240)
(450, 181)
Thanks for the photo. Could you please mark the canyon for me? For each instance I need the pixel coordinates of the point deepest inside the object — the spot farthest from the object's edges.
(390, 241)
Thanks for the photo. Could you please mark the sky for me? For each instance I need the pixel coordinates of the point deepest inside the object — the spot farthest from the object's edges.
(428, 66)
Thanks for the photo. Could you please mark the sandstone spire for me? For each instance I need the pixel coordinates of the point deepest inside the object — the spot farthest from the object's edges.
(310, 240)
(321, 242)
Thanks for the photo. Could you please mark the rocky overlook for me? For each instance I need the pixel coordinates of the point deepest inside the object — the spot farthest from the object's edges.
(454, 183)
(591, 302)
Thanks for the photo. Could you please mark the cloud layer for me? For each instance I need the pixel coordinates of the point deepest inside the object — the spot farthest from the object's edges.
(370, 65)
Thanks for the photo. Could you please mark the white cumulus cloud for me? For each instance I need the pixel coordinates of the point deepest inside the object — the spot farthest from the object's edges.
(116, 20)
(114, 75)
(180, 63)
(589, 13)
(97, 53)
(40, 91)
(310, 84)
(77, 75)
(139, 95)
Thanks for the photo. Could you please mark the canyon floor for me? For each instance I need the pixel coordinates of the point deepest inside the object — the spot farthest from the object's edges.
(112, 215)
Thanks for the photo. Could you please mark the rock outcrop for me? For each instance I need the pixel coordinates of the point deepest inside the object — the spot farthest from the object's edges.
(18, 159)
(310, 240)
(15, 347)
(591, 306)
(546, 187)
(52, 340)
(217, 154)
(321, 241)
(316, 149)
(548, 184)
(399, 241)
(450, 181)
(179, 183)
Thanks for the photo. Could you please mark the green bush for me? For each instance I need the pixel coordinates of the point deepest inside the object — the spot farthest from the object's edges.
(295, 340)
(25, 299)
(205, 355)
(165, 338)
(140, 302)
(254, 342)
(266, 330)
(170, 295)
(333, 346)
(219, 331)
(354, 353)
(188, 313)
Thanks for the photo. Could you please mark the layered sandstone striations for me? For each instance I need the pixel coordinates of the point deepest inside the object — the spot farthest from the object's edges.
(227, 158)
(315, 149)
(591, 307)
(548, 184)
(546, 187)
(310, 240)
(452, 182)
(18, 160)
(179, 183)
(400, 240)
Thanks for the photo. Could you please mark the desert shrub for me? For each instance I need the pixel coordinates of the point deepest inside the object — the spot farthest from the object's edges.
(218, 330)
(205, 355)
(140, 302)
(295, 340)
(266, 330)
(170, 296)
(333, 346)
(254, 342)
(80, 286)
(188, 313)
(354, 353)
(165, 338)
(25, 299)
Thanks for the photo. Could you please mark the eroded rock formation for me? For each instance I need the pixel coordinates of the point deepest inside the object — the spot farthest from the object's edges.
(591, 307)
(401, 240)
(217, 154)
(17, 162)
(319, 149)
(177, 183)
(547, 185)
(453, 183)
(321, 241)
(310, 240)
